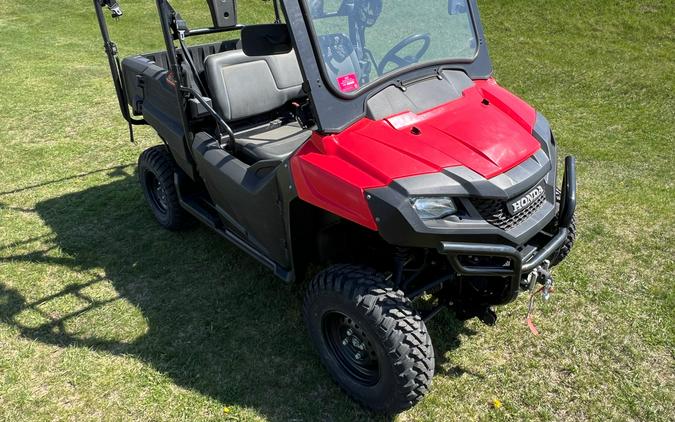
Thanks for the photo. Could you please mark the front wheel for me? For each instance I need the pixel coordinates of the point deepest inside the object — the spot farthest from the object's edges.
(370, 338)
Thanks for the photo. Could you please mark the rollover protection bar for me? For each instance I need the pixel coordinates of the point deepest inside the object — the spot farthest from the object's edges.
(113, 61)
(517, 267)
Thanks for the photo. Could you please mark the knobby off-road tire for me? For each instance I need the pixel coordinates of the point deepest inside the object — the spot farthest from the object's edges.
(566, 247)
(155, 172)
(397, 354)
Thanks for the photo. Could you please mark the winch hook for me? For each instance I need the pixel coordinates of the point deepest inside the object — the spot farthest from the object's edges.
(541, 275)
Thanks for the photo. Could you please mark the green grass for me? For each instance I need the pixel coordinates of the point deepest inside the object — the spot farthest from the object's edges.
(104, 316)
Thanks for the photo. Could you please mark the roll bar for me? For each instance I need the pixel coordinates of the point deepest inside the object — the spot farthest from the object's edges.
(173, 28)
(114, 63)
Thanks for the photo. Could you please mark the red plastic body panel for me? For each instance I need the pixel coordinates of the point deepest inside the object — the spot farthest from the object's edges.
(487, 130)
(331, 183)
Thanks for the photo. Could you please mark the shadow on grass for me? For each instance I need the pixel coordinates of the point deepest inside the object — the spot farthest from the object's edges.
(217, 322)
(112, 171)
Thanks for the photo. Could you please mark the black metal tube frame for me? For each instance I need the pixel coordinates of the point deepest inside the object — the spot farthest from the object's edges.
(113, 62)
(517, 267)
(212, 30)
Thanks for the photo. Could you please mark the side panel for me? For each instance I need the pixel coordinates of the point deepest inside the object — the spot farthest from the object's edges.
(153, 96)
(331, 183)
(248, 198)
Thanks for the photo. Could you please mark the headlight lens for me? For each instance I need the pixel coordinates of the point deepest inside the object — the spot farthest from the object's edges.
(434, 208)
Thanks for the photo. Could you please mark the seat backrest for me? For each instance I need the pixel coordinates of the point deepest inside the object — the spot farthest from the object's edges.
(243, 86)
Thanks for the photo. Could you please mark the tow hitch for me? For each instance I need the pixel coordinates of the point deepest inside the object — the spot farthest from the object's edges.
(542, 276)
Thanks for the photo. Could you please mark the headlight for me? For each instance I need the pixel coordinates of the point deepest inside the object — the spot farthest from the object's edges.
(434, 208)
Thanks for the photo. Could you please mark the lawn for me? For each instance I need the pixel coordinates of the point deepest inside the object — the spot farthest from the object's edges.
(105, 316)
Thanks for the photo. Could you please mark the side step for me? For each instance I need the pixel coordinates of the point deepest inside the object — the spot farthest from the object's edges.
(201, 210)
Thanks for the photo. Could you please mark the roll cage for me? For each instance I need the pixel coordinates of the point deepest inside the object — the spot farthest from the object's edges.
(332, 111)
(174, 28)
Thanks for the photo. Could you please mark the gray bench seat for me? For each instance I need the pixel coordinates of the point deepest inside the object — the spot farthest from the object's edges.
(243, 87)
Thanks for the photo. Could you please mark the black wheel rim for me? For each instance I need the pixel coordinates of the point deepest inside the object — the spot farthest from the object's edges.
(156, 192)
(351, 347)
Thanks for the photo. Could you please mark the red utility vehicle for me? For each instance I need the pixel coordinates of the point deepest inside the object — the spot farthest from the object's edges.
(366, 139)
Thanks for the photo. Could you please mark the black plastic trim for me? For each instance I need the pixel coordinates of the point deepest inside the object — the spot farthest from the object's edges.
(398, 223)
(400, 227)
(212, 221)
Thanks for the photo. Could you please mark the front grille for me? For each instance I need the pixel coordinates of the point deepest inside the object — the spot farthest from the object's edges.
(495, 212)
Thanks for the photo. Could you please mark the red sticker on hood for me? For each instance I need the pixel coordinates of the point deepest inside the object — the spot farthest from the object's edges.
(348, 83)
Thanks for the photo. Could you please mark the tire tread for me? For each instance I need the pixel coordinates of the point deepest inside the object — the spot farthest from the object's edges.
(398, 325)
(158, 160)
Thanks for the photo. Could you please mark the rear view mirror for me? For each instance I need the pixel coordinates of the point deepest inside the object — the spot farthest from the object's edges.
(328, 8)
(223, 13)
(266, 40)
(457, 7)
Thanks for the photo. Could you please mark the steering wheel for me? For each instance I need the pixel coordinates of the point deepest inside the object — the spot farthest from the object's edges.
(393, 57)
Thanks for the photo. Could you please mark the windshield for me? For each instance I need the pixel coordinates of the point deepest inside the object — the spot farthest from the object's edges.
(363, 40)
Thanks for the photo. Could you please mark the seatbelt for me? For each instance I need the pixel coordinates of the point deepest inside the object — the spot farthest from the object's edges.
(181, 28)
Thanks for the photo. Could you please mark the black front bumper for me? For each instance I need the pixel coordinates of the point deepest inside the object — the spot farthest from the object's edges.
(518, 264)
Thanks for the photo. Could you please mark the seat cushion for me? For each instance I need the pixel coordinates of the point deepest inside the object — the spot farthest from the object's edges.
(244, 86)
(274, 142)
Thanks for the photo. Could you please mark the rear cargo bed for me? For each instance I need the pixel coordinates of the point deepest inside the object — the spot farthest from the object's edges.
(150, 94)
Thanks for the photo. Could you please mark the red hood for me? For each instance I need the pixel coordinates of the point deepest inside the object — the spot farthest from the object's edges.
(478, 131)
(487, 130)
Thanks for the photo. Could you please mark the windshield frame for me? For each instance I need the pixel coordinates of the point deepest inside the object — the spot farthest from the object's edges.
(389, 76)
(335, 111)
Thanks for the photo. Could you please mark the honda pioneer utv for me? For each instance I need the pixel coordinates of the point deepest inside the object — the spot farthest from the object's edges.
(366, 139)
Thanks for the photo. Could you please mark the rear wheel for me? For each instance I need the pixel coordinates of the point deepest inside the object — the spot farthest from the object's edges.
(155, 171)
(370, 338)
